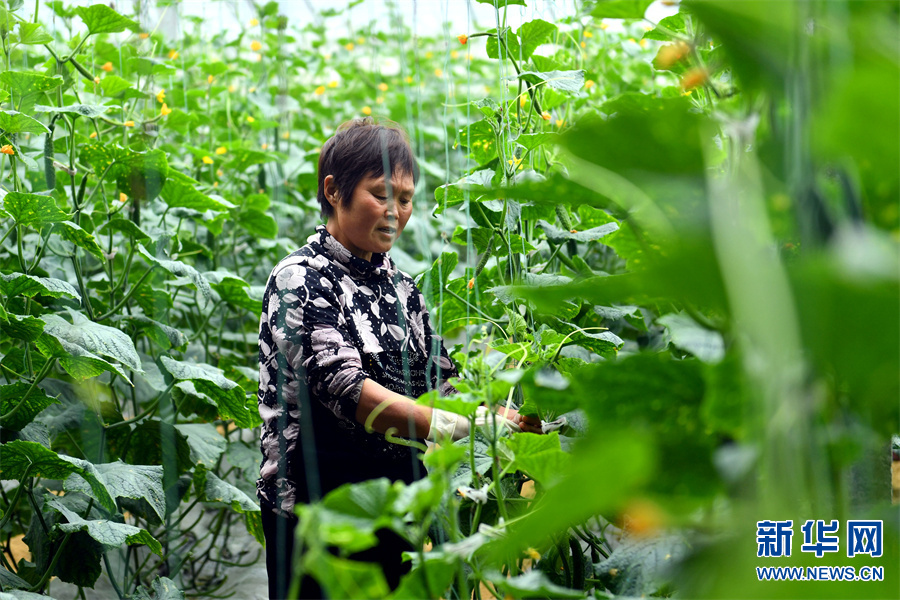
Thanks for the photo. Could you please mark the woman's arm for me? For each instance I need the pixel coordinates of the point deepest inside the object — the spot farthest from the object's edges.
(411, 420)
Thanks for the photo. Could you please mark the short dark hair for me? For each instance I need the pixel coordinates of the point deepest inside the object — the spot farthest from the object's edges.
(357, 150)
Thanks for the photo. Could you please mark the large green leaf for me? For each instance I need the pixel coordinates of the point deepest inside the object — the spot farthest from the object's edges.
(28, 82)
(180, 190)
(558, 236)
(18, 456)
(89, 111)
(620, 9)
(33, 33)
(16, 122)
(509, 47)
(343, 578)
(100, 156)
(22, 327)
(176, 267)
(16, 284)
(223, 393)
(81, 238)
(95, 338)
(705, 344)
(242, 158)
(206, 443)
(433, 280)
(564, 81)
(640, 567)
(10, 581)
(234, 290)
(258, 224)
(540, 456)
(431, 576)
(77, 361)
(109, 533)
(163, 589)
(138, 482)
(100, 18)
(213, 490)
(12, 396)
(534, 33)
(164, 335)
(32, 209)
(141, 175)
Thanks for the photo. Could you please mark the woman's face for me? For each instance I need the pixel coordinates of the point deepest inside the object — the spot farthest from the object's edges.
(374, 219)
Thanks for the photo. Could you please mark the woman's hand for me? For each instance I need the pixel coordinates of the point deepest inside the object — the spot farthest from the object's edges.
(525, 423)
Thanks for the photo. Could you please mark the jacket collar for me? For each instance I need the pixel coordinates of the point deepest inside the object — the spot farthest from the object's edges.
(381, 263)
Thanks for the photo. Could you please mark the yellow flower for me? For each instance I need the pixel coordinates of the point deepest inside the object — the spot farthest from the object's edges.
(367, 110)
(545, 115)
(221, 150)
(409, 79)
(8, 149)
(215, 184)
(522, 100)
(96, 80)
(320, 90)
(643, 43)
(514, 162)
(251, 90)
(254, 22)
(264, 146)
(533, 554)
(333, 83)
(173, 54)
(463, 39)
(694, 78)
(379, 100)
(360, 40)
(232, 88)
(429, 54)
(383, 86)
(584, 44)
(560, 122)
(143, 35)
(93, 135)
(632, 40)
(286, 135)
(438, 73)
(122, 197)
(255, 46)
(209, 79)
(164, 110)
(588, 84)
(129, 123)
(349, 46)
(588, 34)
(454, 54)
(604, 26)
(107, 67)
(250, 119)
(161, 96)
(469, 285)
(220, 172)
(207, 160)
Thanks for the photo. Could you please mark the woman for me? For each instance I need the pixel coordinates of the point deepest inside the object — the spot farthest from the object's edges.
(343, 332)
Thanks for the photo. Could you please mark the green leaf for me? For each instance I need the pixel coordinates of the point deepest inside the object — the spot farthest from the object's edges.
(206, 443)
(502, 3)
(100, 156)
(22, 83)
(32, 209)
(258, 224)
(163, 589)
(533, 584)
(510, 41)
(539, 455)
(431, 575)
(109, 533)
(180, 269)
(234, 290)
(33, 33)
(10, 580)
(641, 567)
(23, 327)
(213, 490)
(77, 361)
(558, 236)
(113, 86)
(705, 344)
(530, 141)
(180, 190)
(564, 81)
(122, 480)
(18, 455)
(95, 338)
(242, 158)
(223, 393)
(89, 111)
(141, 175)
(16, 122)
(127, 227)
(100, 18)
(433, 280)
(674, 23)
(11, 396)
(81, 238)
(534, 33)
(164, 335)
(343, 578)
(620, 9)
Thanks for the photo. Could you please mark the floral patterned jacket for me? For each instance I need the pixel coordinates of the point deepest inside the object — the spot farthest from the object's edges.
(329, 321)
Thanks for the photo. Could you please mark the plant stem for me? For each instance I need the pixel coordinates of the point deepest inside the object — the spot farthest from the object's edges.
(37, 379)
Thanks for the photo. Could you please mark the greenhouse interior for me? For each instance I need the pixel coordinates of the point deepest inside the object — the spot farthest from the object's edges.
(640, 335)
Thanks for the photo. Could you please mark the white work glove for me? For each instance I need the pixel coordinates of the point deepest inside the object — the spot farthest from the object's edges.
(447, 424)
